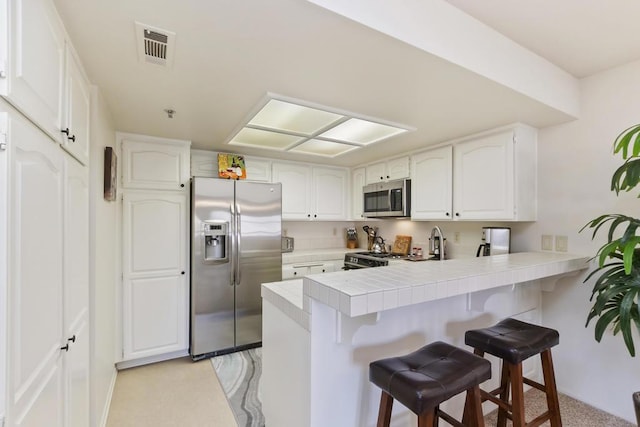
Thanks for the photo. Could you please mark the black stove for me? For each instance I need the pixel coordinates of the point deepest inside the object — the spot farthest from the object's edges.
(353, 260)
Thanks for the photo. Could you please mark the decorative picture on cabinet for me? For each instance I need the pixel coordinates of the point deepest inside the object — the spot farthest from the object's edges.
(231, 166)
(110, 174)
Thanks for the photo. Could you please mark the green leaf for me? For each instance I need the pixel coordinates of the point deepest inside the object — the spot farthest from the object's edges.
(622, 141)
(629, 251)
(603, 322)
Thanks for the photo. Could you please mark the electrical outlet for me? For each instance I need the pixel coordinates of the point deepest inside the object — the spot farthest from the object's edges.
(456, 237)
(547, 242)
(562, 243)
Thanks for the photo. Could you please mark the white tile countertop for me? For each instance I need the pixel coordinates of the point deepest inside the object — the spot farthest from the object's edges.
(371, 290)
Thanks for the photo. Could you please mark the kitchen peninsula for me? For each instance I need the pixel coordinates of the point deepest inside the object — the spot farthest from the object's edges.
(321, 333)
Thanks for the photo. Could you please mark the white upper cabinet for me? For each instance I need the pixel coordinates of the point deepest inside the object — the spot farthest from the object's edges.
(357, 201)
(487, 177)
(495, 176)
(312, 192)
(154, 163)
(296, 189)
(205, 163)
(75, 127)
(35, 62)
(431, 184)
(388, 171)
(330, 190)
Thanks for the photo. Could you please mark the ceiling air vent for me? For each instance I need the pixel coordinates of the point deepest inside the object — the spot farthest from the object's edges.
(155, 45)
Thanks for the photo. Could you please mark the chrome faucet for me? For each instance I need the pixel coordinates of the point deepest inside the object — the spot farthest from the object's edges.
(432, 243)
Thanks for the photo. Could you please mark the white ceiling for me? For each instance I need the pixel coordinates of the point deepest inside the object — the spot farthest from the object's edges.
(229, 54)
(581, 36)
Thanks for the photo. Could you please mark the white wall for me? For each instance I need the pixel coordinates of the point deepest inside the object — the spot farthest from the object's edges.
(575, 167)
(104, 257)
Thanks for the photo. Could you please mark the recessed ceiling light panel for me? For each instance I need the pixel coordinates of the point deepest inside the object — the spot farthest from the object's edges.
(322, 148)
(293, 126)
(264, 139)
(285, 116)
(360, 131)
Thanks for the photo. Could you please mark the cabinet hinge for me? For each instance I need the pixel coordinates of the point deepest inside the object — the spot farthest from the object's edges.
(3, 141)
(3, 70)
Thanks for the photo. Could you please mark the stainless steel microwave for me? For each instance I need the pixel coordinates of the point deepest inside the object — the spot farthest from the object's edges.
(387, 199)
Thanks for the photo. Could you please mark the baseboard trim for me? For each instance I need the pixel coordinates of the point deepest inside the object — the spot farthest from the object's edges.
(107, 404)
(126, 364)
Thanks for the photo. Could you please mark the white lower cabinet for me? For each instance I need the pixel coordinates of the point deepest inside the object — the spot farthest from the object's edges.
(300, 270)
(47, 310)
(155, 276)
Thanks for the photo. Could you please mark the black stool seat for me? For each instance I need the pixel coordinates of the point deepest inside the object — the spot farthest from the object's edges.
(512, 340)
(429, 376)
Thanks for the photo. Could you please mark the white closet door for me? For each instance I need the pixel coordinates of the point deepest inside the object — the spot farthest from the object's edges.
(35, 277)
(155, 287)
(76, 292)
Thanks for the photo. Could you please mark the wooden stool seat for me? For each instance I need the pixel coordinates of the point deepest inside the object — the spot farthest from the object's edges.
(424, 379)
(514, 341)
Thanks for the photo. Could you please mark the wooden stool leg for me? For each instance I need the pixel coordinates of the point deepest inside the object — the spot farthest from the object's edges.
(476, 418)
(428, 419)
(517, 393)
(384, 414)
(550, 388)
(504, 394)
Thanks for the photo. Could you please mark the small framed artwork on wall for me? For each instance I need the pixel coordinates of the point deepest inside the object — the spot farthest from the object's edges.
(110, 174)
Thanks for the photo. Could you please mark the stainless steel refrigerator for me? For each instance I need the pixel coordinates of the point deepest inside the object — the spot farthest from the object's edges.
(235, 246)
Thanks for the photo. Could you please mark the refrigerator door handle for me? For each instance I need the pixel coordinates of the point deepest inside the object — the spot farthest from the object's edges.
(232, 249)
(238, 243)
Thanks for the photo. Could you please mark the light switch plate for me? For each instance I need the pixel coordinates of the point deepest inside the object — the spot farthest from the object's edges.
(547, 242)
(562, 243)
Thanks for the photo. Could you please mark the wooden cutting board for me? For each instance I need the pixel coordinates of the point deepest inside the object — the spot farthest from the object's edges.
(401, 245)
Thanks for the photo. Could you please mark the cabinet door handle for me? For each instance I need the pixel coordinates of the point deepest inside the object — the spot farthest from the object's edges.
(457, 213)
(315, 216)
(65, 347)
(72, 339)
(182, 272)
(65, 131)
(447, 214)
(308, 215)
(72, 138)
(182, 185)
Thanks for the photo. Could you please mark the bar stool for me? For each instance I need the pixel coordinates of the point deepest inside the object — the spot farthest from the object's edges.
(422, 380)
(514, 341)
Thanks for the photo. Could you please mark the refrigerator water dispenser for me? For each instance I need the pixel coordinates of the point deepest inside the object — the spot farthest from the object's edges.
(215, 235)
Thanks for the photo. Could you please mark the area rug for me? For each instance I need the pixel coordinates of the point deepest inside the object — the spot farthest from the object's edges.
(239, 375)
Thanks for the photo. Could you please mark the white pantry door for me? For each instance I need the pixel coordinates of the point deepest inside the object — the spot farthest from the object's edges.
(155, 287)
(35, 389)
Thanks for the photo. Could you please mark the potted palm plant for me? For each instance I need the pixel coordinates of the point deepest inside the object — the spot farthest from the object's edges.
(617, 287)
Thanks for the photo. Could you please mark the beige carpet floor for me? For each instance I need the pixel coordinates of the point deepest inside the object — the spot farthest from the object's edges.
(174, 393)
(574, 413)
